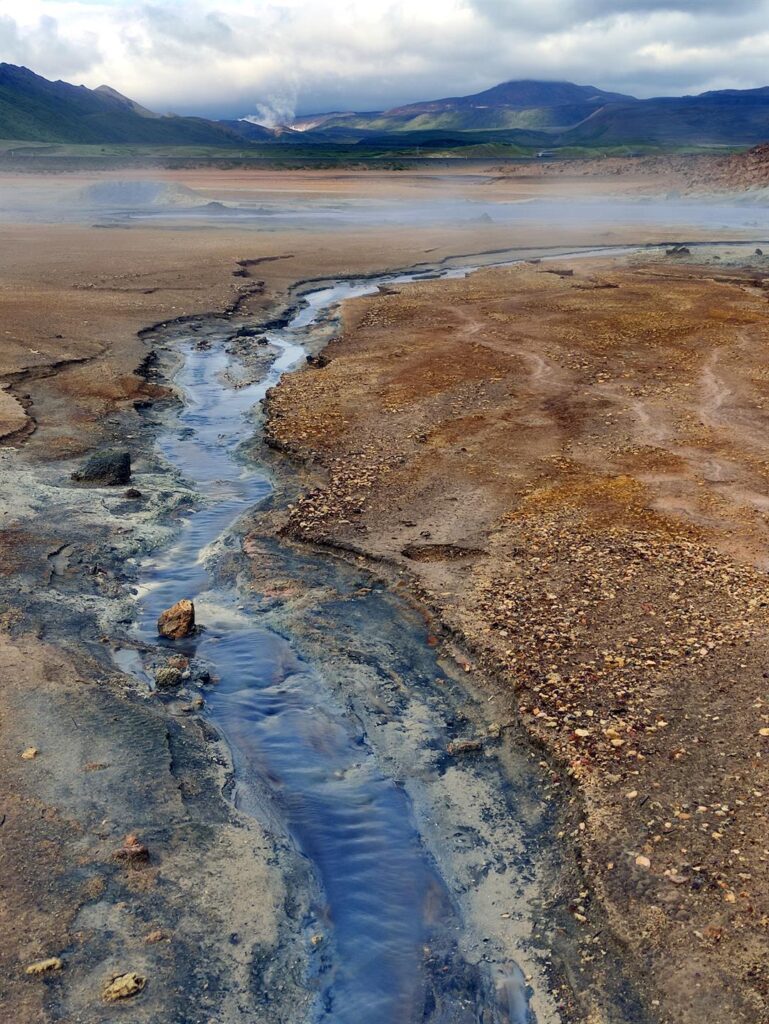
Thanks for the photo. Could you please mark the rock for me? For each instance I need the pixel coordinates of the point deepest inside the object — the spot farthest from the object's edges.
(109, 468)
(177, 621)
(759, 252)
(168, 676)
(457, 747)
(132, 492)
(133, 851)
(30, 754)
(53, 963)
(123, 986)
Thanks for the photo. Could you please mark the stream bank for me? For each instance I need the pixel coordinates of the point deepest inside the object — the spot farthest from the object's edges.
(475, 812)
(89, 598)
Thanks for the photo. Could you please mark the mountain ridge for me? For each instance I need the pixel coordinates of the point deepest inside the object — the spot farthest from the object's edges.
(517, 113)
(34, 109)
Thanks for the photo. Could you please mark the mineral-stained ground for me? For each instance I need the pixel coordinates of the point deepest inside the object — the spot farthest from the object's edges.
(570, 463)
(570, 469)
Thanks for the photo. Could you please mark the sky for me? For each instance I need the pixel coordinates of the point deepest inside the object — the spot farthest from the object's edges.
(272, 59)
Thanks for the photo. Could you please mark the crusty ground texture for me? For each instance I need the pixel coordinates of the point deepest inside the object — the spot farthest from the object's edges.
(729, 172)
(571, 462)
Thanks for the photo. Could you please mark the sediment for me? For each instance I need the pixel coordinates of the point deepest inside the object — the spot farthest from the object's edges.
(568, 464)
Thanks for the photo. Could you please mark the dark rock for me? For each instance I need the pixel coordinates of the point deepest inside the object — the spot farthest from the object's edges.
(132, 492)
(318, 361)
(458, 747)
(109, 468)
(759, 252)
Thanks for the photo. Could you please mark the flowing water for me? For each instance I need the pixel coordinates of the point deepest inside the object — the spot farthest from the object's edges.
(293, 738)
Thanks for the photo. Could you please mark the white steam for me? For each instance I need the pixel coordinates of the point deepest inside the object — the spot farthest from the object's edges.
(278, 109)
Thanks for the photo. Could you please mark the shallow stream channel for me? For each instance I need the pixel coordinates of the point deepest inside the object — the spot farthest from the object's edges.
(421, 864)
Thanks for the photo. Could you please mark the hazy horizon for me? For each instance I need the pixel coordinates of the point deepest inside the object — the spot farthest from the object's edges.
(274, 61)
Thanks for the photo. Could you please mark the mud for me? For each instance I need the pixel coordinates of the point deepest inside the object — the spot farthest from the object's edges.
(216, 920)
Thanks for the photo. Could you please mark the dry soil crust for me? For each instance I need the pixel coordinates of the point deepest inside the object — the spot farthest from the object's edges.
(571, 464)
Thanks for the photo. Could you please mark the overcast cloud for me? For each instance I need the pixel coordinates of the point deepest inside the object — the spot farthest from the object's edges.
(269, 59)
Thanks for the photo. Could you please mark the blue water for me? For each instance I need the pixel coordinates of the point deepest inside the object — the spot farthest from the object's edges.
(383, 900)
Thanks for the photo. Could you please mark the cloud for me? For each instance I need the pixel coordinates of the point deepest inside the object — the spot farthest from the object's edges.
(44, 42)
(265, 58)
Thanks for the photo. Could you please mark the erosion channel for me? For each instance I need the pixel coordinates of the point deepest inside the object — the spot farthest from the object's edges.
(418, 860)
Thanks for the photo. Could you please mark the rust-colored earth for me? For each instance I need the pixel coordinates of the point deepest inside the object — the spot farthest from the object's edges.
(571, 463)
(574, 476)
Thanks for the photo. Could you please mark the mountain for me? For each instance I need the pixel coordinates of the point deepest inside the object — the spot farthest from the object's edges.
(731, 117)
(527, 114)
(523, 104)
(32, 109)
(563, 114)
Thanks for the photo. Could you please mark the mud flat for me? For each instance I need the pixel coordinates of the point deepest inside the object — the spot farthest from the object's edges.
(568, 464)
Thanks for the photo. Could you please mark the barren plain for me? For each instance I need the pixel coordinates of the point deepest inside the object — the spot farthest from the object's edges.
(563, 462)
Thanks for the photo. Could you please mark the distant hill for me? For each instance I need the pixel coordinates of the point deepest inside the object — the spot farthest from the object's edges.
(32, 109)
(524, 105)
(525, 116)
(572, 115)
(732, 117)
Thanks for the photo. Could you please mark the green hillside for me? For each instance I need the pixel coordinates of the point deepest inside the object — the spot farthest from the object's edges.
(32, 109)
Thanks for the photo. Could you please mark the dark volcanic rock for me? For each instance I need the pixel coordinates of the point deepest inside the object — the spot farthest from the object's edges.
(110, 468)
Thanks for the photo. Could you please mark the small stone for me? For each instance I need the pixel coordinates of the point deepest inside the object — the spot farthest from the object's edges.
(53, 963)
(167, 676)
(457, 747)
(643, 862)
(132, 851)
(177, 621)
(30, 754)
(124, 986)
(108, 468)
(132, 492)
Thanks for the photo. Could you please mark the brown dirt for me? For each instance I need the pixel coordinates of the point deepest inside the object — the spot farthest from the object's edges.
(73, 296)
(72, 299)
(574, 473)
(732, 172)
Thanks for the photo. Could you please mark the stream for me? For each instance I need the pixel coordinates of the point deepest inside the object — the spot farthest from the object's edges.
(392, 930)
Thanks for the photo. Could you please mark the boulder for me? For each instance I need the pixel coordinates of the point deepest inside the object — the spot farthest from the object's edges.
(110, 468)
(177, 621)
